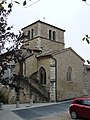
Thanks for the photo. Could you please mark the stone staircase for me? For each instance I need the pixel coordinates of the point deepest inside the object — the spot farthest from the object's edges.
(36, 87)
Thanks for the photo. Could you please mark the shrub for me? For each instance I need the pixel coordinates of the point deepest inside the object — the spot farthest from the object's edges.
(3, 99)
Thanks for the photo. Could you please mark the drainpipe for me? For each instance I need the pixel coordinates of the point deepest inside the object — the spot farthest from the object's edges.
(55, 78)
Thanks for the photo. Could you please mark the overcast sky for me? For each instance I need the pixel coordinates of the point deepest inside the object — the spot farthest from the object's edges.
(70, 15)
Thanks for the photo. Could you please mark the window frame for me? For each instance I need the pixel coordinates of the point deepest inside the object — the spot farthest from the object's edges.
(50, 34)
(29, 36)
(69, 73)
(54, 35)
(42, 73)
(32, 33)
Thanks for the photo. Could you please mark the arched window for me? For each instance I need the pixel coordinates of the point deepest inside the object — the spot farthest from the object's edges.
(28, 34)
(54, 35)
(32, 33)
(42, 75)
(50, 34)
(69, 73)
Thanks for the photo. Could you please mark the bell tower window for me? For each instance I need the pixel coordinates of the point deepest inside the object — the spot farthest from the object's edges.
(28, 34)
(32, 33)
(50, 34)
(54, 35)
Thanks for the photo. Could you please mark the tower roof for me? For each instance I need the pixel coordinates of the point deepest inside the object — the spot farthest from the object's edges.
(39, 21)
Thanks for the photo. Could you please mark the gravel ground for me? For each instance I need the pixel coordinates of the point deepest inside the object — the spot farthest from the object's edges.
(63, 116)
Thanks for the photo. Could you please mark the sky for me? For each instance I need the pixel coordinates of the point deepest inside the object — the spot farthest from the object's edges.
(70, 15)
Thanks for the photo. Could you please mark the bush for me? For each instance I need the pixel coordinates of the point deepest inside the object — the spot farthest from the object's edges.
(3, 99)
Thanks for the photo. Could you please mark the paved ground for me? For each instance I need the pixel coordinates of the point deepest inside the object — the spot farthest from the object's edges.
(7, 114)
(23, 106)
(63, 116)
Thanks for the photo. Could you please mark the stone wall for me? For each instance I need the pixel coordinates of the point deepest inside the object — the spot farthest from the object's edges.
(69, 89)
(12, 96)
(31, 65)
(44, 62)
(41, 37)
(44, 44)
(45, 32)
(88, 77)
(41, 29)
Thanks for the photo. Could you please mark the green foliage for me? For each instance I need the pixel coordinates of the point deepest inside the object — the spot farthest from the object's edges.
(5, 31)
(6, 35)
(3, 99)
(84, 0)
(24, 3)
(17, 2)
(87, 39)
(10, 5)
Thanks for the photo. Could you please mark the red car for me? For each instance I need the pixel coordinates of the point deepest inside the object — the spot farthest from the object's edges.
(80, 108)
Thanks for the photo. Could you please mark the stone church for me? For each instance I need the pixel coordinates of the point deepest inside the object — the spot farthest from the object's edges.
(52, 72)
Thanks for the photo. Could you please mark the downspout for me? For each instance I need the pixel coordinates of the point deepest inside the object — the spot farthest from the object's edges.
(55, 78)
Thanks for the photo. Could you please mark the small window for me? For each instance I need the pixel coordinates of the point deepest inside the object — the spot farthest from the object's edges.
(54, 35)
(32, 33)
(28, 34)
(50, 34)
(69, 73)
(42, 76)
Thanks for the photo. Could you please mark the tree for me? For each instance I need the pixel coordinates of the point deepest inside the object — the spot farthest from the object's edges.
(8, 37)
(87, 39)
(3, 97)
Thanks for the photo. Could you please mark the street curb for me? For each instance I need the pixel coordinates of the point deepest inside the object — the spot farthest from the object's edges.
(40, 105)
